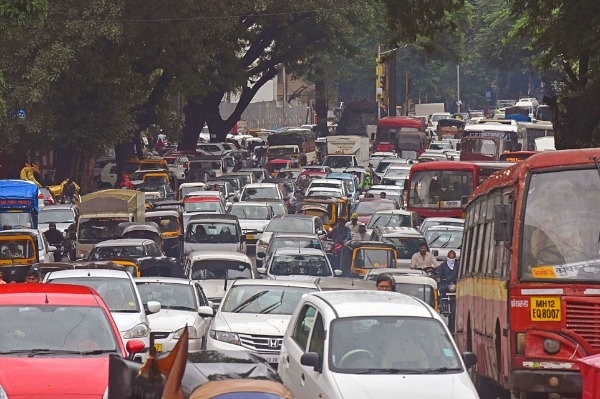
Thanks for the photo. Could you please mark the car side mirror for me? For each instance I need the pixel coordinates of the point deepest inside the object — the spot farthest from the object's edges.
(134, 347)
(261, 270)
(206, 311)
(469, 358)
(435, 252)
(312, 359)
(260, 255)
(152, 307)
(337, 272)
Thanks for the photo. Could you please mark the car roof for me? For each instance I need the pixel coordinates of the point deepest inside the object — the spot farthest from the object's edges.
(58, 206)
(123, 242)
(295, 216)
(326, 189)
(208, 255)
(250, 203)
(387, 231)
(258, 185)
(284, 283)
(446, 227)
(443, 219)
(165, 212)
(294, 235)
(393, 212)
(383, 187)
(353, 303)
(106, 273)
(49, 294)
(166, 280)
(336, 181)
(298, 251)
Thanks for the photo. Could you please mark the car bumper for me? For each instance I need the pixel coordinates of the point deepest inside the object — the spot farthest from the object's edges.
(167, 344)
(560, 381)
(213, 344)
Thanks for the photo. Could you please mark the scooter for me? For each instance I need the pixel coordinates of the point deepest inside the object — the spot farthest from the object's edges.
(447, 298)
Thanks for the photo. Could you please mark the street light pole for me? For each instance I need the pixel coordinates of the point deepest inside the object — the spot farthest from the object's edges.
(458, 88)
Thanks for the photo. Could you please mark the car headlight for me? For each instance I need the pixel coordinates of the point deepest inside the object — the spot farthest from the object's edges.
(139, 331)
(3, 394)
(225, 336)
(192, 333)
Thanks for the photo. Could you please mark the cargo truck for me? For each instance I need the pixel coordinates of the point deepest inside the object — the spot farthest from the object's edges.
(293, 143)
(346, 152)
(100, 214)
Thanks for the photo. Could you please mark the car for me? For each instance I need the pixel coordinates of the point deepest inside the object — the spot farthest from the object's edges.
(397, 169)
(386, 162)
(368, 206)
(392, 192)
(261, 191)
(235, 181)
(254, 314)
(214, 270)
(302, 224)
(119, 292)
(224, 186)
(253, 217)
(371, 344)
(435, 221)
(208, 203)
(55, 331)
(394, 180)
(279, 207)
(245, 177)
(183, 305)
(187, 188)
(405, 239)
(289, 240)
(124, 248)
(213, 232)
(289, 173)
(259, 173)
(329, 183)
(350, 181)
(317, 168)
(441, 239)
(326, 192)
(393, 218)
(298, 264)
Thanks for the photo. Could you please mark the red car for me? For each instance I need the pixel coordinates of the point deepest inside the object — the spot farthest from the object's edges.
(55, 340)
(368, 206)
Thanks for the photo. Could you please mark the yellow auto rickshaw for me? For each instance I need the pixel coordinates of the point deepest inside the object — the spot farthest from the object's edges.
(328, 209)
(358, 257)
(170, 224)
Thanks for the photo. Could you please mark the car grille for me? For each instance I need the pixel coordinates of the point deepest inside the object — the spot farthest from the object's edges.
(583, 318)
(267, 344)
(160, 334)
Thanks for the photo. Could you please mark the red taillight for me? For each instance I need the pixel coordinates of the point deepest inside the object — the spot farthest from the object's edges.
(186, 165)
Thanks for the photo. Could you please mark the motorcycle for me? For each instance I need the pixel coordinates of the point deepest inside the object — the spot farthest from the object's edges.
(447, 298)
(68, 244)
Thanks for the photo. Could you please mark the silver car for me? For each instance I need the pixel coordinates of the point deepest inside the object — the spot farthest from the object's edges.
(213, 232)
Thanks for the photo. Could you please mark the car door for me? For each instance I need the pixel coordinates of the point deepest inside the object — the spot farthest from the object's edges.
(317, 384)
(294, 346)
(203, 301)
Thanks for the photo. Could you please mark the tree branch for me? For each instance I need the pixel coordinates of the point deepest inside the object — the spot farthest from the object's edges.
(248, 94)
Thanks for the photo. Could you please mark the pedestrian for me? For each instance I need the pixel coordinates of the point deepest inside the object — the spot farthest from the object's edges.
(126, 182)
(423, 260)
(2, 277)
(361, 234)
(385, 282)
(33, 276)
(353, 223)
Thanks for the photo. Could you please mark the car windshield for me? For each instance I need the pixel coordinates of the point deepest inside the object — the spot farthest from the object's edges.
(440, 189)
(118, 293)
(301, 265)
(370, 207)
(48, 215)
(263, 299)
(252, 212)
(252, 193)
(170, 295)
(369, 258)
(406, 247)
(212, 233)
(380, 344)
(338, 162)
(560, 228)
(315, 192)
(443, 238)
(389, 220)
(291, 225)
(202, 206)
(59, 330)
(166, 224)
(116, 252)
(220, 269)
(98, 229)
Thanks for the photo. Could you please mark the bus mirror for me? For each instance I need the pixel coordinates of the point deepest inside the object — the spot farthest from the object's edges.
(503, 222)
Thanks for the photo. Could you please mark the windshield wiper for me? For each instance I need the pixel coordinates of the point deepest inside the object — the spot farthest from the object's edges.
(275, 305)
(248, 301)
(434, 240)
(441, 370)
(177, 307)
(388, 371)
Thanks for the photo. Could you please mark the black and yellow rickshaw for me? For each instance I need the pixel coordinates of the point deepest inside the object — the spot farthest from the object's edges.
(170, 224)
(359, 256)
(328, 209)
(18, 252)
(161, 267)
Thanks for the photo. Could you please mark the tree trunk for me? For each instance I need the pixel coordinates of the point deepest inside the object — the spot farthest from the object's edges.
(321, 102)
(576, 118)
(77, 164)
(194, 122)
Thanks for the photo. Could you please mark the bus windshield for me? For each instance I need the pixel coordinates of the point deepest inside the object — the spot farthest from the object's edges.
(440, 188)
(484, 147)
(560, 229)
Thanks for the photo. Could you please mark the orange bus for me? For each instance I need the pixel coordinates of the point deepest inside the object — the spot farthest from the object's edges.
(528, 292)
(442, 188)
(391, 127)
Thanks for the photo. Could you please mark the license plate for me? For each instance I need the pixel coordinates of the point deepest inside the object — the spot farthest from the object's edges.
(271, 359)
(249, 236)
(158, 347)
(545, 308)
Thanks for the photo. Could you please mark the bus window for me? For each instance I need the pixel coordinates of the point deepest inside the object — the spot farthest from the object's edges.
(444, 189)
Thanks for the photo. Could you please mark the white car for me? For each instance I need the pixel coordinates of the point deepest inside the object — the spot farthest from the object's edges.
(302, 264)
(371, 344)
(253, 217)
(328, 192)
(435, 221)
(261, 192)
(121, 295)
(318, 184)
(183, 305)
(254, 315)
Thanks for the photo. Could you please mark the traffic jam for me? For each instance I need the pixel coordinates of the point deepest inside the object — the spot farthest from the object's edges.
(434, 258)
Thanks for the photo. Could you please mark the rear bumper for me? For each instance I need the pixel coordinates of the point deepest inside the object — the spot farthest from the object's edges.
(564, 382)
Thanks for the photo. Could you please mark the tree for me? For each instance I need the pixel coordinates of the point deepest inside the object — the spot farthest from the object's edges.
(565, 37)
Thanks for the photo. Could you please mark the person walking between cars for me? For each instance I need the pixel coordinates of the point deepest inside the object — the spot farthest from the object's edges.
(361, 234)
(353, 224)
(423, 260)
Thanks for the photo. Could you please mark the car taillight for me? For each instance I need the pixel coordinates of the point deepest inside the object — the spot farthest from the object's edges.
(186, 165)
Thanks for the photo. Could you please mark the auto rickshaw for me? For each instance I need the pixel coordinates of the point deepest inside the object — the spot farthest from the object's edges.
(328, 209)
(170, 223)
(148, 230)
(358, 257)
(450, 128)
(18, 252)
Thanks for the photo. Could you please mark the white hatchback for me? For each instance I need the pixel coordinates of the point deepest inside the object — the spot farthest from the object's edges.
(371, 344)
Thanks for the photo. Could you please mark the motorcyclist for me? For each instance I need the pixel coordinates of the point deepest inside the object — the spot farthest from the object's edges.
(447, 271)
(68, 193)
(54, 237)
(340, 233)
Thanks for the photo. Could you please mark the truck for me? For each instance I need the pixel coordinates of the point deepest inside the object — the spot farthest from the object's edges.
(427, 109)
(19, 205)
(346, 151)
(101, 212)
(293, 143)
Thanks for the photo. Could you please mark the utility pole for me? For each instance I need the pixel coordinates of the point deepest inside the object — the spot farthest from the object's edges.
(284, 97)
(458, 88)
(406, 91)
(392, 84)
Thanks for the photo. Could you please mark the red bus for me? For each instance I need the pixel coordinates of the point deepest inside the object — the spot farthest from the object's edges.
(389, 128)
(442, 188)
(528, 292)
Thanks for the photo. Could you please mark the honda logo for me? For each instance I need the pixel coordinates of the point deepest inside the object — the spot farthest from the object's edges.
(274, 343)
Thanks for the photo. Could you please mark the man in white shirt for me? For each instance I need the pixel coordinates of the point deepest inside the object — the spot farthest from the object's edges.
(361, 234)
(353, 223)
(423, 259)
